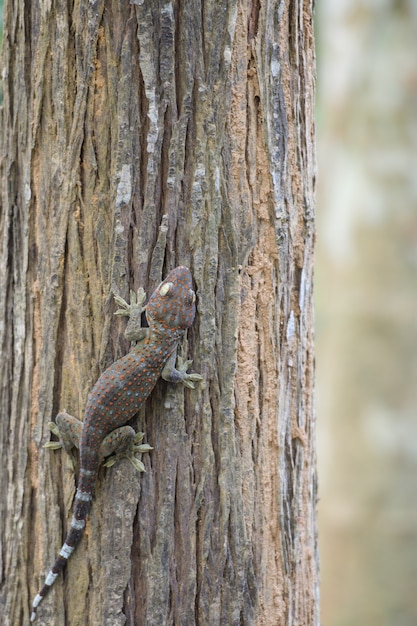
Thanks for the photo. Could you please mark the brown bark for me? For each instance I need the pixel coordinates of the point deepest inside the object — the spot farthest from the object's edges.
(115, 115)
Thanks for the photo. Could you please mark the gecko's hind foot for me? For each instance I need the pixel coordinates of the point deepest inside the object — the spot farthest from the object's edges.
(68, 430)
(124, 443)
(54, 445)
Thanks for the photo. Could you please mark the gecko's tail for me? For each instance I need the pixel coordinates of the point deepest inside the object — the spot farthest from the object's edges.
(81, 507)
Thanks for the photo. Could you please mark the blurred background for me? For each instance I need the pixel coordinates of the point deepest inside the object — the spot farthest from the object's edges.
(366, 310)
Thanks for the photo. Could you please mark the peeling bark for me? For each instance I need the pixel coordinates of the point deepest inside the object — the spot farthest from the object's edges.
(115, 115)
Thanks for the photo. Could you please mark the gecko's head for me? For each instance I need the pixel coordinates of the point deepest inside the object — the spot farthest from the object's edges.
(172, 304)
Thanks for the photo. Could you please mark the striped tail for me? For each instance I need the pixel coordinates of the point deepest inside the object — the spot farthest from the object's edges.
(81, 507)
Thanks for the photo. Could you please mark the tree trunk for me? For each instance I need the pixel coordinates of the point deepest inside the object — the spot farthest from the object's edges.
(114, 116)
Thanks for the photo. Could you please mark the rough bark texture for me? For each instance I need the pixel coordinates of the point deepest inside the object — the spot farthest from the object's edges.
(114, 115)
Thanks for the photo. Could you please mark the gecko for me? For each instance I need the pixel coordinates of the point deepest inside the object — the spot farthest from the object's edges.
(120, 392)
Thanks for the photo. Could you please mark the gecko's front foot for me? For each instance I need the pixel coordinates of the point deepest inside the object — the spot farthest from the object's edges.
(177, 373)
(136, 303)
(134, 331)
(187, 380)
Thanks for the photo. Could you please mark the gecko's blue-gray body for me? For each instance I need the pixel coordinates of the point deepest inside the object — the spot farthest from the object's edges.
(120, 392)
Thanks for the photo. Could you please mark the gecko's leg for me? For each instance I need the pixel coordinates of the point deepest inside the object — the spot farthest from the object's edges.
(134, 331)
(68, 430)
(122, 443)
(175, 371)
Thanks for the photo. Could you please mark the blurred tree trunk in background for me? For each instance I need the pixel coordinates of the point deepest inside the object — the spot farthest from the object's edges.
(116, 115)
(367, 312)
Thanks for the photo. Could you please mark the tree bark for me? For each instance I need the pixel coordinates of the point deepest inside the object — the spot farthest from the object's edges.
(114, 116)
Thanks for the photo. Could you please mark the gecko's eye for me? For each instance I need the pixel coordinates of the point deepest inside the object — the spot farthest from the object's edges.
(165, 289)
